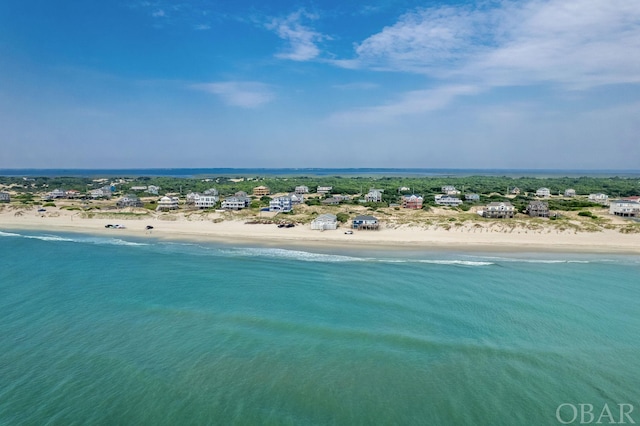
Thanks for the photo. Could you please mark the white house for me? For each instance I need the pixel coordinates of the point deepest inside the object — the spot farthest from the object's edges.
(627, 207)
(302, 189)
(472, 197)
(129, 201)
(325, 221)
(211, 191)
(374, 195)
(168, 203)
(599, 198)
(296, 199)
(497, 209)
(543, 192)
(57, 193)
(570, 192)
(104, 192)
(206, 201)
(450, 190)
(237, 202)
(280, 204)
(324, 189)
(152, 189)
(447, 200)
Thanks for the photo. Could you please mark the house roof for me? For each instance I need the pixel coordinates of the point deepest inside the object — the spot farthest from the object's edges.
(365, 217)
(327, 217)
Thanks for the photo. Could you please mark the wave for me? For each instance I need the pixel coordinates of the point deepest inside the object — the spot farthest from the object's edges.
(332, 258)
(9, 234)
(47, 238)
(82, 240)
(543, 261)
(292, 255)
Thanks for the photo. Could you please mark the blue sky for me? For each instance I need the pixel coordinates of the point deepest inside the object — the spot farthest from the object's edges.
(159, 83)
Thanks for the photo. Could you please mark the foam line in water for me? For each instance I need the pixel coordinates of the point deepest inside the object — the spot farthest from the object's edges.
(9, 234)
(292, 255)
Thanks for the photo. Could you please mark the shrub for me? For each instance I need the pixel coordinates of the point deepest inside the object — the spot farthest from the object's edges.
(342, 217)
(585, 214)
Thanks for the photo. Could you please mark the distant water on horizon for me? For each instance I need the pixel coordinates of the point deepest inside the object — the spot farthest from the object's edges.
(105, 330)
(378, 172)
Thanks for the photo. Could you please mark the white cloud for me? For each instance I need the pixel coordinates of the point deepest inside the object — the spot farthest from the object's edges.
(302, 40)
(410, 103)
(202, 27)
(158, 13)
(245, 94)
(573, 44)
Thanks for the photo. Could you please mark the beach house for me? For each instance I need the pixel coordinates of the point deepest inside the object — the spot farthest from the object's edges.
(515, 191)
(450, 190)
(472, 197)
(599, 198)
(570, 192)
(56, 193)
(211, 191)
(301, 189)
(238, 202)
(129, 200)
(280, 204)
(543, 192)
(206, 201)
(447, 200)
(538, 209)
(104, 192)
(296, 198)
(153, 190)
(325, 221)
(167, 203)
(365, 222)
(499, 210)
(4, 197)
(412, 201)
(324, 189)
(261, 191)
(374, 195)
(626, 207)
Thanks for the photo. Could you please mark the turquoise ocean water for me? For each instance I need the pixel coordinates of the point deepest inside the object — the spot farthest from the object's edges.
(97, 330)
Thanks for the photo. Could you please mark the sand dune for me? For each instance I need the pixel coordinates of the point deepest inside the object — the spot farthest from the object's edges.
(468, 236)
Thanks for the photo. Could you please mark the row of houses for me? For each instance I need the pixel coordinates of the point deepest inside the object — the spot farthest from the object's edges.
(626, 207)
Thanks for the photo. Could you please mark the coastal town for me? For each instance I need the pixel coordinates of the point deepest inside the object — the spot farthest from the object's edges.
(325, 208)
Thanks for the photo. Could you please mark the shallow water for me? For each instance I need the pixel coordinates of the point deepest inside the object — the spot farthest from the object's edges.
(98, 330)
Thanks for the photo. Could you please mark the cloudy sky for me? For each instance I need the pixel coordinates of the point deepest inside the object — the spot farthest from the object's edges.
(391, 83)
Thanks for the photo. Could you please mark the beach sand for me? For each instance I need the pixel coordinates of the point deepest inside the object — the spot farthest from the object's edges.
(468, 236)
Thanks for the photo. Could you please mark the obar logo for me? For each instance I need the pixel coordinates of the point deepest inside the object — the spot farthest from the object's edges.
(585, 414)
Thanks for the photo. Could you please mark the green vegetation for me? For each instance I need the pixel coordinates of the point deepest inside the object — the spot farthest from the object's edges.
(342, 217)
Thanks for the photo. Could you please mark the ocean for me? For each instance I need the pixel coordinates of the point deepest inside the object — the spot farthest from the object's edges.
(100, 330)
(373, 172)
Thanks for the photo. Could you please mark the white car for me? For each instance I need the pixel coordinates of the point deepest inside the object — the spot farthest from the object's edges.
(348, 232)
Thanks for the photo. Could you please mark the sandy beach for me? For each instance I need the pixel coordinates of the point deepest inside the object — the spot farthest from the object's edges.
(218, 227)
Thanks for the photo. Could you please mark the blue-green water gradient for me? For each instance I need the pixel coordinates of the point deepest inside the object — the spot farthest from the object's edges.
(97, 330)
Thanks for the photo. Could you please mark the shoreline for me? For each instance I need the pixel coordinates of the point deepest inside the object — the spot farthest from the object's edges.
(406, 237)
